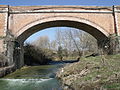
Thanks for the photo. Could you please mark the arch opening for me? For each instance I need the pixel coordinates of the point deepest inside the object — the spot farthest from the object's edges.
(28, 30)
(58, 43)
(94, 31)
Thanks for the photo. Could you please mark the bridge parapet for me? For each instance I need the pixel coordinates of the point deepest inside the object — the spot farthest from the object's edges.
(56, 9)
(117, 8)
(3, 8)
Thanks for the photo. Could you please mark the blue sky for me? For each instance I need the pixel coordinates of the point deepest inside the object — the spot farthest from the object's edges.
(50, 32)
(60, 2)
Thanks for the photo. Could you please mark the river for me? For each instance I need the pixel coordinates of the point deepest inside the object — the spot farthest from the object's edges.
(32, 78)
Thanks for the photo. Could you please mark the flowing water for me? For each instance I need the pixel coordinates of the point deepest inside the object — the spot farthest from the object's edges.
(32, 78)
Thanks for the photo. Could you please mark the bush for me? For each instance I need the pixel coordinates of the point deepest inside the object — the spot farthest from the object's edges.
(34, 55)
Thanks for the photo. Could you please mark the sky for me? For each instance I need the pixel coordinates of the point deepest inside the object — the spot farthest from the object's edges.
(50, 32)
(60, 2)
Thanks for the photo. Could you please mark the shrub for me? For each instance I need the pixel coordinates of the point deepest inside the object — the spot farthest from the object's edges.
(34, 55)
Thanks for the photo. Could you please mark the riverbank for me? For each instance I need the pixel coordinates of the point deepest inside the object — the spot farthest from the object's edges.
(93, 73)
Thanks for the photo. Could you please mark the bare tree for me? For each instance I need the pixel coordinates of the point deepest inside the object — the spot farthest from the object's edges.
(76, 40)
(85, 41)
(67, 41)
(75, 43)
(59, 37)
(42, 42)
(53, 45)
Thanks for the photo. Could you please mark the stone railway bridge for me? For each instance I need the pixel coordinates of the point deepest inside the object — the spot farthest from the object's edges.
(17, 23)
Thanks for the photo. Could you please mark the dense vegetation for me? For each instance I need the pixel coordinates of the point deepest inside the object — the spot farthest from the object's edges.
(35, 56)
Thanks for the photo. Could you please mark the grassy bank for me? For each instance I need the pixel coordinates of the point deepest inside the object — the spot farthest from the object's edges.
(93, 73)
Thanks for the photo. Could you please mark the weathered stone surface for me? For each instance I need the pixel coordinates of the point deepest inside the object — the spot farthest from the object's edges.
(118, 23)
(2, 24)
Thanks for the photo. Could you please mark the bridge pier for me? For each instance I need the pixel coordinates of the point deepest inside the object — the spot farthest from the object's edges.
(18, 54)
(118, 47)
(110, 45)
(14, 51)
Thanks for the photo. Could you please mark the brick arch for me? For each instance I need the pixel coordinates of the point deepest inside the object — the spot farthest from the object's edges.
(55, 21)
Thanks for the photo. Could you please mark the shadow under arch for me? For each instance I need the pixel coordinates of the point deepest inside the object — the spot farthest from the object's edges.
(95, 30)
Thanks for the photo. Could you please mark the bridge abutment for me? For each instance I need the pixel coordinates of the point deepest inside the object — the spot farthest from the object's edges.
(18, 54)
(8, 45)
(14, 52)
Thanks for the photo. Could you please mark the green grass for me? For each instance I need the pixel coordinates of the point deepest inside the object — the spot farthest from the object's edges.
(115, 86)
(101, 70)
